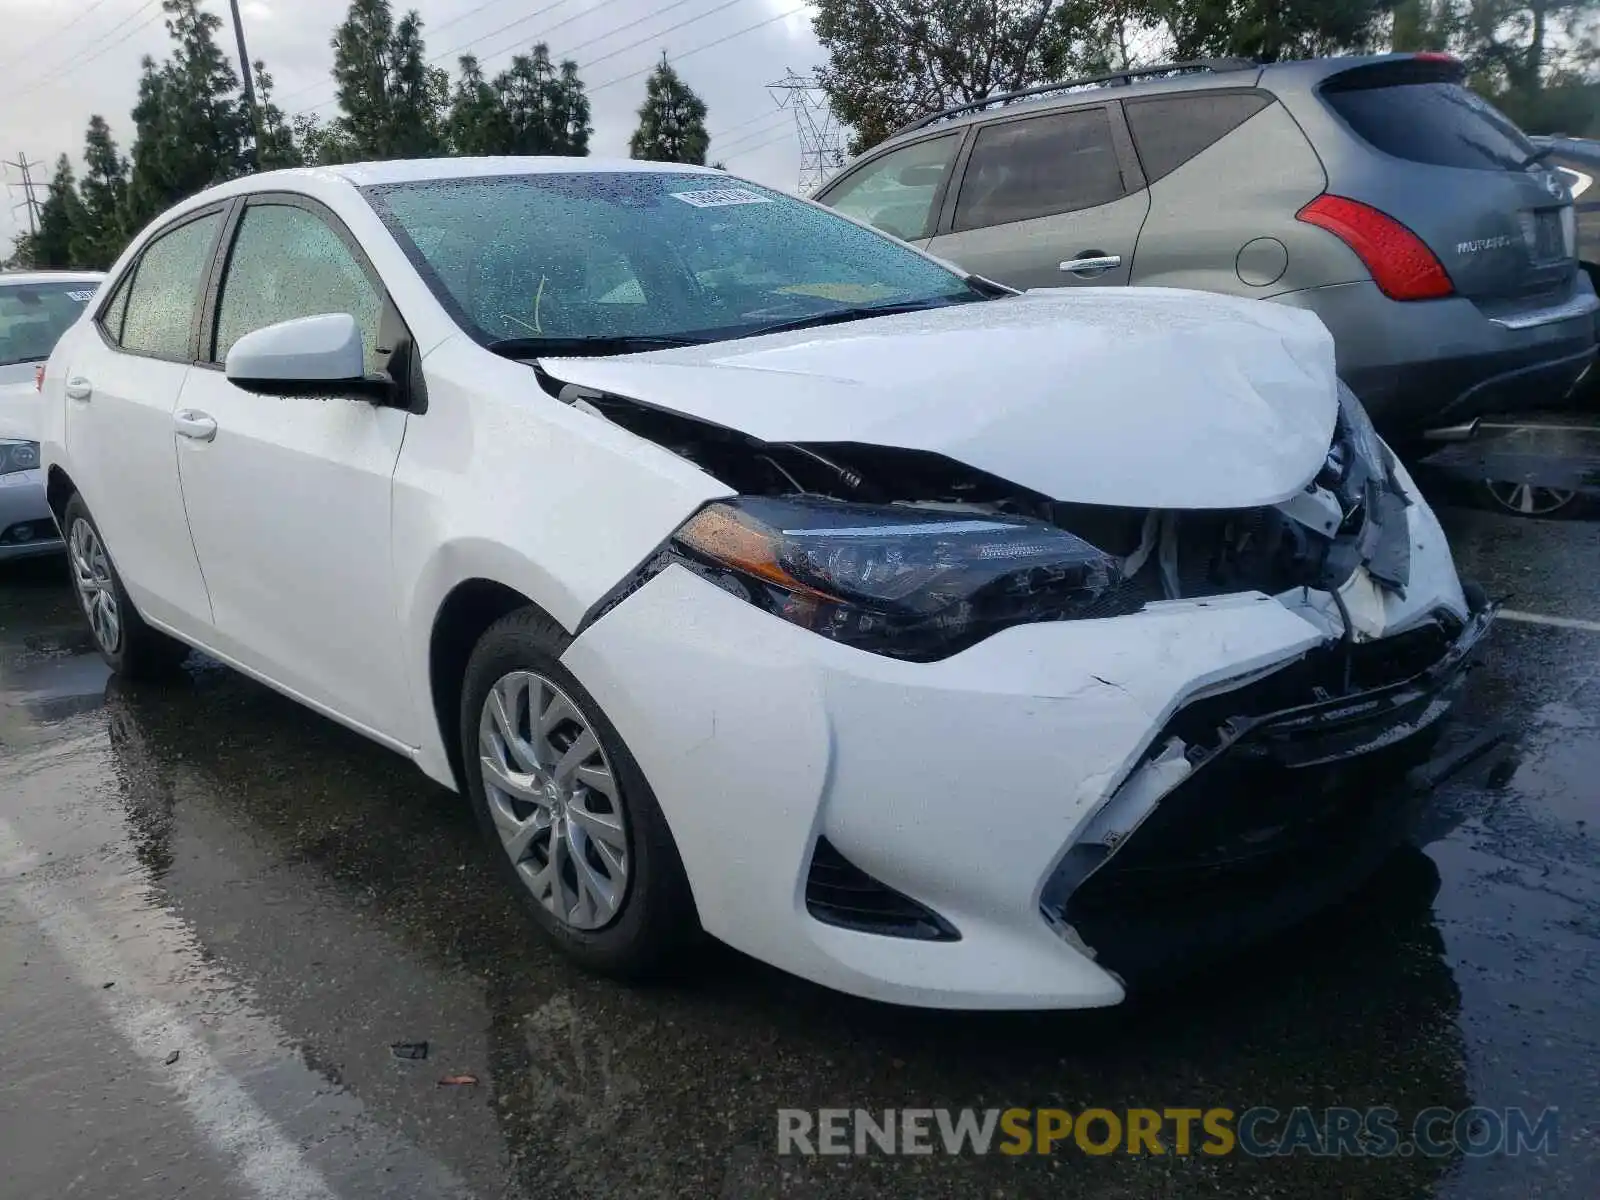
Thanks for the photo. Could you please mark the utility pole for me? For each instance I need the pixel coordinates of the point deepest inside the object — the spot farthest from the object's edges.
(249, 84)
(29, 202)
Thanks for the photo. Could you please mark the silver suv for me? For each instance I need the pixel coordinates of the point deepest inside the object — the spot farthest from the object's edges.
(1410, 215)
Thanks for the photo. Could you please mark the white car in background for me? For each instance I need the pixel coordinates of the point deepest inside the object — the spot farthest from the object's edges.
(753, 572)
(36, 308)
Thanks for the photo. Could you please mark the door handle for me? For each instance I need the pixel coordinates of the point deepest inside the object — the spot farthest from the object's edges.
(195, 425)
(1091, 263)
(79, 388)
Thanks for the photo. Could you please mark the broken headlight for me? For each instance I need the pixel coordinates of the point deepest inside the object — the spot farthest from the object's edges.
(904, 582)
(1357, 453)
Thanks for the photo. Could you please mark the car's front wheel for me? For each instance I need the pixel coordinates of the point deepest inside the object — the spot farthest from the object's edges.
(132, 648)
(572, 823)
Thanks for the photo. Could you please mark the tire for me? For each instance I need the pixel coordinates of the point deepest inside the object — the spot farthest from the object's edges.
(131, 648)
(653, 919)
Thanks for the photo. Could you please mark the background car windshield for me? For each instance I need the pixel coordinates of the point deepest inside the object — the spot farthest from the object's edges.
(33, 316)
(645, 254)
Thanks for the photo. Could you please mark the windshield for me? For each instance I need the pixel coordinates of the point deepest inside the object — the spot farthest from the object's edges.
(608, 256)
(33, 316)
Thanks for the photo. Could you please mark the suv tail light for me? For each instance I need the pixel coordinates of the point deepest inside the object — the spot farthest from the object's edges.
(1401, 264)
(38, 378)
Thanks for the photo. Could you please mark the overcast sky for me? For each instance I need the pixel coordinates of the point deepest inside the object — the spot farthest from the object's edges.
(62, 60)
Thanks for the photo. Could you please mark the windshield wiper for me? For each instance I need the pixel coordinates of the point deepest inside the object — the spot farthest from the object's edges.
(1539, 155)
(579, 347)
(859, 312)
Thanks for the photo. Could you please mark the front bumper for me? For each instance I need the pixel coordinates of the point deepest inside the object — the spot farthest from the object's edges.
(1276, 811)
(26, 527)
(959, 786)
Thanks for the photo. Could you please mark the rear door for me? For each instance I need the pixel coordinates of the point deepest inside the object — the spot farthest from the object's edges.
(122, 383)
(1451, 167)
(1048, 200)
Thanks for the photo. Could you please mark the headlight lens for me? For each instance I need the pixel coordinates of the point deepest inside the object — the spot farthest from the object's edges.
(18, 456)
(905, 582)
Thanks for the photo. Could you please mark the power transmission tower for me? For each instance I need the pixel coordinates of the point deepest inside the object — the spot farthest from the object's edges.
(821, 139)
(24, 168)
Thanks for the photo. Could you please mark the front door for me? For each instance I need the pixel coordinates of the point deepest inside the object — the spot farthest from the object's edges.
(898, 192)
(289, 497)
(122, 382)
(1048, 201)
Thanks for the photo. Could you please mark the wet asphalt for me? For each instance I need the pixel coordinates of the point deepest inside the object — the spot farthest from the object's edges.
(218, 913)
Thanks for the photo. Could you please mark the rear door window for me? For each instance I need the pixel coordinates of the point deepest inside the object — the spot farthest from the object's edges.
(1170, 130)
(1442, 124)
(166, 289)
(1039, 167)
(896, 192)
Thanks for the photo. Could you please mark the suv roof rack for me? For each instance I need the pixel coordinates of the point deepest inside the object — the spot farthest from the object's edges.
(1110, 78)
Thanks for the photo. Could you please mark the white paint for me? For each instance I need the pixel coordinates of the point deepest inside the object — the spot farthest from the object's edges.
(221, 1110)
(1528, 618)
(1147, 397)
(314, 542)
(325, 347)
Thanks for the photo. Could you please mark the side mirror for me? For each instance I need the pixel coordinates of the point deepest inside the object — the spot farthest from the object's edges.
(308, 356)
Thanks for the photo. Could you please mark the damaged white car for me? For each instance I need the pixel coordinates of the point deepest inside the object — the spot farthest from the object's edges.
(754, 573)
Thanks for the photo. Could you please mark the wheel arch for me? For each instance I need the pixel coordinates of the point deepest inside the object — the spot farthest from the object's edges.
(58, 491)
(462, 618)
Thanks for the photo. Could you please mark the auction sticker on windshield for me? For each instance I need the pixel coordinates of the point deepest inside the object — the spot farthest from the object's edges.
(720, 197)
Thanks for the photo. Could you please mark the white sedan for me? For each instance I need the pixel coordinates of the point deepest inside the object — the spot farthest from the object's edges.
(757, 574)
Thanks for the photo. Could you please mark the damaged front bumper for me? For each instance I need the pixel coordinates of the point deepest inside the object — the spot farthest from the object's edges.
(898, 830)
(1257, 808)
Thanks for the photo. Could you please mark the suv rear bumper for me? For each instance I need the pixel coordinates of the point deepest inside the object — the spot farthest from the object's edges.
(1421, 365)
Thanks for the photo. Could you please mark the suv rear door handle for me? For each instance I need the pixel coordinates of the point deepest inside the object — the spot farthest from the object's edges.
(1092, 262)
(195, 425)
(79, 388)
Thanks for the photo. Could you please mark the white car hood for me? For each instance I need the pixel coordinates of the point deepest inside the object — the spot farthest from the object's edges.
(1146, 397)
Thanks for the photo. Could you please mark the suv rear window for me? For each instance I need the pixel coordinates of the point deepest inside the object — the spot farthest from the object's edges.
(1439, 123)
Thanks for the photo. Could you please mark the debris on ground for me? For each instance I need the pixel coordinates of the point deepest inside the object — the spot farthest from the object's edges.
(173, 1057)
(459, 1081)
(413, 1050)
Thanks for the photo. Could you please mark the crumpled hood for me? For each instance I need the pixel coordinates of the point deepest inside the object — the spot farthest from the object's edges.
(1146, 397)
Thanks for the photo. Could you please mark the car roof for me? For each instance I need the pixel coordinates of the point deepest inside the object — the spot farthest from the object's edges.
(8, 278)
(315, 180)
(421, 170)
(1294, 73)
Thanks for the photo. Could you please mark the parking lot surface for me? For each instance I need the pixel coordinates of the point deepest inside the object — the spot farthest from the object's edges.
(227, 926)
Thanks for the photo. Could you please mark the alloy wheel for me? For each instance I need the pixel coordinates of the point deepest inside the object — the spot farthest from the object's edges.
(554, 800)
(1527, 499)
(97, 592)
